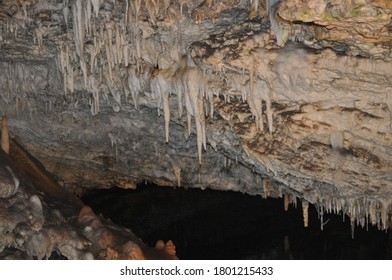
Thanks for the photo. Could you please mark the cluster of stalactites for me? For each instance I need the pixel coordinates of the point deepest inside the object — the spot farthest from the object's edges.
(259, 91)
(192, 89)
(108, 54)
(107, 49)
(361, 212)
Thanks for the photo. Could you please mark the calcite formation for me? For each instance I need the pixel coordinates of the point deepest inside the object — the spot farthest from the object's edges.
(272, 98)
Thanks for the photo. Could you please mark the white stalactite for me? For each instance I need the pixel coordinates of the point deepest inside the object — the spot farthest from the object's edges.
(96, 6)
(194, 88)
(66, 12)
(266, 188)
(78, 25)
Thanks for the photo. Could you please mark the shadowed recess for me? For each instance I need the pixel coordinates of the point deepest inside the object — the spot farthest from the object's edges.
(227, 225)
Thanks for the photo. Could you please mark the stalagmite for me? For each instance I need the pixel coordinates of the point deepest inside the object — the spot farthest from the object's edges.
(5, 138)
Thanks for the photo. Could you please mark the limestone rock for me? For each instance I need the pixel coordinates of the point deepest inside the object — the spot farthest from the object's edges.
(275, 97)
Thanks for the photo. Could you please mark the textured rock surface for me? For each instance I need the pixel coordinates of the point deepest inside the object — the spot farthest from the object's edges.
(282, 97)
(41, 220)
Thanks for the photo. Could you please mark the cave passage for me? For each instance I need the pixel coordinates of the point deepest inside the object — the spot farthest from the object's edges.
(227, 225)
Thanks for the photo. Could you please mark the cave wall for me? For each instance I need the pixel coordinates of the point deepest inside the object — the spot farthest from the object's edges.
(274, 98)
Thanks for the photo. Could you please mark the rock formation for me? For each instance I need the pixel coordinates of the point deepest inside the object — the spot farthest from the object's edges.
(268, 98)
(39, 219)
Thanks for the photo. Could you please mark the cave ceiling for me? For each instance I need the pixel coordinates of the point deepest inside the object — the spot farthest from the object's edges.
(276, 98)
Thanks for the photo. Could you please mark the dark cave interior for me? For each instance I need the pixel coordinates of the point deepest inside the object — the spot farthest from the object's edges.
(227, 225)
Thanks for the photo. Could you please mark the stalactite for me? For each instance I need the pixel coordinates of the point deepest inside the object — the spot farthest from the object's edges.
(92, 50)
(70, 79)
(177, 173)
(255, 4)
(259, 91)
(5, 140)
(96, 6)
(266, 97)
(109, 37)
(39, 32)
(114, 144)
(267, 6)
(138, 50)
(373, 212)
(78, 25)
(151, 8)
(194, 90)
(161, 86)
(66, 12)
(181, 3)
(138, 5)
(352, 224)
(266, 188)
(276, 26)
(166, 110)
(88, 10)
(109, 68)
(166, 5)
(286, 202)
(384, 207)
(123, 45)
(83, 67)
(305, 212)
(94, 105)
(134, 84)
(179, 89)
